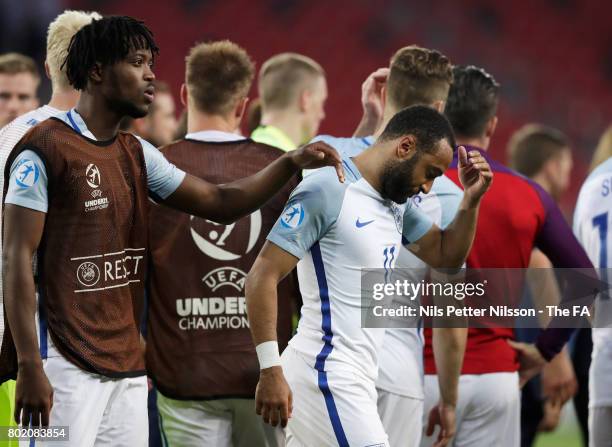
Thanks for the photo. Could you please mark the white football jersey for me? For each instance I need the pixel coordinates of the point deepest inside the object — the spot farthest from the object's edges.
(400, 368)
(592, 225)
(336, 230)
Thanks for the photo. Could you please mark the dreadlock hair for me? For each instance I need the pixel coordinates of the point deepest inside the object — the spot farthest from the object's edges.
(105, 41)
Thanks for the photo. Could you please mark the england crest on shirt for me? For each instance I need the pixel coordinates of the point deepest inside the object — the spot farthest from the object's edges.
(398, 215)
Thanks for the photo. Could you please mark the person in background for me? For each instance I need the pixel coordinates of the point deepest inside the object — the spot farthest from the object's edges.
(205, 365)
(543, 154)
(591, 223)
(19, 81)
(293, 90)
(331, 234)
(516, 215)
(160, 125)
(415, 76)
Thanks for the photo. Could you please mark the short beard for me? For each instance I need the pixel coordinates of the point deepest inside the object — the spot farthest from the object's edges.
(397, 179)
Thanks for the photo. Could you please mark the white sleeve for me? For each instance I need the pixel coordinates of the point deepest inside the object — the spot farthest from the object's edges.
(28, 182)
(416, 224)
(162, 176)
(311, 210)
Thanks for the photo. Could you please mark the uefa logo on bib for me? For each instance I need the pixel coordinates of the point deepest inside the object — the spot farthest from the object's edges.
(293, 216)
(92, 176)
(88, 274)
(27, 173)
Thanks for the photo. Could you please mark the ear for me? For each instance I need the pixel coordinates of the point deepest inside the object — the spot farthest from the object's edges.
(491, 126)
(304, 102)
(47, 71)
(241, 109)
(406, 147)
(383, 96)
(183, 94)
(95, 74)
(439, 106)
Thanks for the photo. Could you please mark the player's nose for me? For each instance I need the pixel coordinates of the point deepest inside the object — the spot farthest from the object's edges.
(13, 104)
(148, 74)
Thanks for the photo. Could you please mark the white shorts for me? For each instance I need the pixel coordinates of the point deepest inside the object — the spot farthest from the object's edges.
(402, 418)
(332, 408)
(98, 411)
(215, 423)
(600, 427)
(488, 410)
(600, 378)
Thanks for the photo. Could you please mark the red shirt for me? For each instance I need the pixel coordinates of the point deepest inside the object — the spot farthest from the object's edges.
(516, 215)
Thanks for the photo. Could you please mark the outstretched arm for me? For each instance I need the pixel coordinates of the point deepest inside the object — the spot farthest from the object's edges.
(229, 202)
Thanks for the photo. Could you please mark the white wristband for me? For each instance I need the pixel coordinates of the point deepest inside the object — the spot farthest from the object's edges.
(267, 354)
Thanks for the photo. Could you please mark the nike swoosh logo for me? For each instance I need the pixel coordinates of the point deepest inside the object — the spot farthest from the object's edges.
(363, 224)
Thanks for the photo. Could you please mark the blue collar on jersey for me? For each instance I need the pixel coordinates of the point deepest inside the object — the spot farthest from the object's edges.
(76, 121)
(350, 167)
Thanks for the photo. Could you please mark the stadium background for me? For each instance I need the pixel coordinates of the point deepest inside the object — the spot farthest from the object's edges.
(553, 58)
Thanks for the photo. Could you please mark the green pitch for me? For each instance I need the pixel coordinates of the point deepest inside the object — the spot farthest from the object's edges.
(567, 436)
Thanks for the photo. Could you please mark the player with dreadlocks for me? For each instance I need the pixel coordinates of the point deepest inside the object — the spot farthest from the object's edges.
(77, 196)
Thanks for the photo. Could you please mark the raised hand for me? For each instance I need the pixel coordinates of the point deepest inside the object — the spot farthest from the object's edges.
(474, 173)
(371, 94)
(372, 101)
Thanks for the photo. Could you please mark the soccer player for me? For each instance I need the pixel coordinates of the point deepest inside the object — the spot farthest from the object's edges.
(515, 216)
(19, 80)
(293, 90)
(415, 76)
(543, 154)
(63, 97)
(591, 224)
(77, 195)
(331, 234)
(160, 124)
(199, 350)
